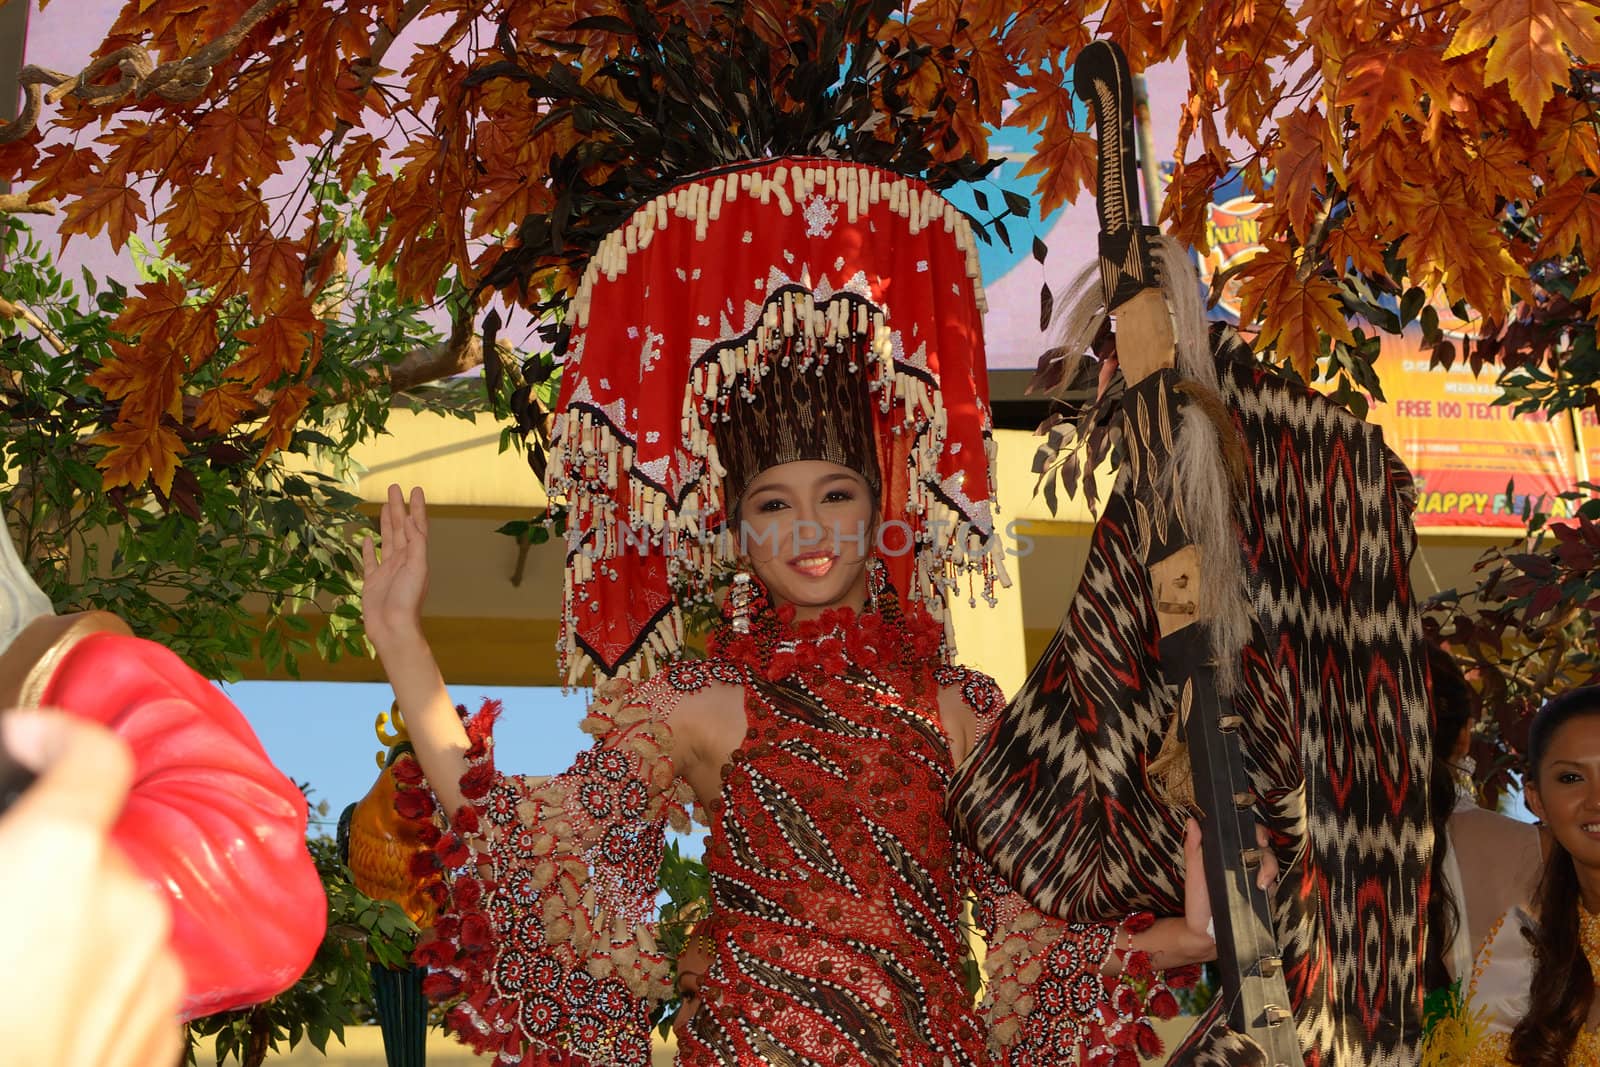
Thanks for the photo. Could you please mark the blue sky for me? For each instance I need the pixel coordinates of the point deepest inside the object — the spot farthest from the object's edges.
(322, 732)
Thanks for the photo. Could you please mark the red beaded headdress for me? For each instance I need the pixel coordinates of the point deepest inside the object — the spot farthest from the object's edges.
(784, 267)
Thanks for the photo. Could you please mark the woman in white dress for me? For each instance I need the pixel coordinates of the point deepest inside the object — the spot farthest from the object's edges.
(1531, 999)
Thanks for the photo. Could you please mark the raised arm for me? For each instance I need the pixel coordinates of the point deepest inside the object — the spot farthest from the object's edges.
(391, 607)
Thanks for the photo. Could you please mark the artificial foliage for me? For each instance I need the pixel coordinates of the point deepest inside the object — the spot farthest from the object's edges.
(518, 130)
(216, 567)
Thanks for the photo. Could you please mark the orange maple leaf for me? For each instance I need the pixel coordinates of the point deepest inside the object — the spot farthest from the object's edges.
(361, 155)
(1301, 164)
(1448, 244)
(277, 269)
(147, 315)
(1570, 218)
(1349, 245)
(1042, 104)
(418, 268)
(62, 171)
(220, 408)
(137, 451)
(1186, 203)
(161, 314)
(280, 345)
(1568, 141)
(1065, 163)
(101, 203)
(1296, 313)
(146, 378)
(244, 148)
(1136, 29)
(990, 71)
(145, 147)
(20, 157)
(1496, 170)
(1384, 86)
(1528, 42)
(278, 429)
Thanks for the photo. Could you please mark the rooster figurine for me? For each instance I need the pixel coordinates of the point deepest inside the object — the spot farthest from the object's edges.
(378, 847)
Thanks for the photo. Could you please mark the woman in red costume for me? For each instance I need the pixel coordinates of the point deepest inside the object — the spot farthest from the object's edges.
(809, 410)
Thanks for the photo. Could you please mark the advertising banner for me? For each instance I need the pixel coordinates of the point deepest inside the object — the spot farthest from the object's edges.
(1476, 464)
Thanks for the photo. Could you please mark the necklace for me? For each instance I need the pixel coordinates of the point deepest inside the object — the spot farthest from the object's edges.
(777, 647)
(1589, 937)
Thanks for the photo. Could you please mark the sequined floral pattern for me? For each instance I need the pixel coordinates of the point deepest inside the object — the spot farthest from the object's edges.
(545, 946)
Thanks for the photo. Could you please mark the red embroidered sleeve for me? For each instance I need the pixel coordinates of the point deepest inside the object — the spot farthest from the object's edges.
(547, 888)
(1048, 998)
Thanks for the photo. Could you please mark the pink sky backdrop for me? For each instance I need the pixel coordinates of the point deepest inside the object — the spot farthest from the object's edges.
(62, 36)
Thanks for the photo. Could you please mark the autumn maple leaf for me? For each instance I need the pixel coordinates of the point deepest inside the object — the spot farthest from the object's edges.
(161, 315)
(1301, 163)
(1065, 161)
(287, 407)
(1385, 86)
(221, 408)
(102, 203)
(1528, 41)
(278, 346)
(1296, 313)
(1570, 217)
(276, 269)
(1452, 246)
(136, 451)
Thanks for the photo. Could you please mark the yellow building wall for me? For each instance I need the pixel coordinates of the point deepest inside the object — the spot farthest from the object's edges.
(492, 609)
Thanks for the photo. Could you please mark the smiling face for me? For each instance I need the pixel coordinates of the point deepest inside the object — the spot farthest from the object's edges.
(1566, 790)
(806, 529)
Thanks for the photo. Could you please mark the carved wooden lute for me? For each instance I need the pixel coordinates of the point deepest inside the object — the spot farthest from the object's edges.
(1253, 988)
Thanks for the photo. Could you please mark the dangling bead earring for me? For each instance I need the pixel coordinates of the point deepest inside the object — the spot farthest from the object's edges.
(875, 582)
(740, 598)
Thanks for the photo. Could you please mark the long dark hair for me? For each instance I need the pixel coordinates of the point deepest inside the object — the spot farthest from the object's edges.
(1453, 706)
(1563, 987)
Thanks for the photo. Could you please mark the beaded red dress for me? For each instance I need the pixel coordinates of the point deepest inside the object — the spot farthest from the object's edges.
(837, 888)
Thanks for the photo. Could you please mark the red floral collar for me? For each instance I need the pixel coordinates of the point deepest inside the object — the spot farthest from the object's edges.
(777, 647)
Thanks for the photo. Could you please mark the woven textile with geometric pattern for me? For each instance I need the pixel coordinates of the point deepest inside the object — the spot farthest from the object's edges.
(1061, 796)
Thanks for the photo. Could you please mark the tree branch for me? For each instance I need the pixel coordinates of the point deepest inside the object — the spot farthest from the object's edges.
(444, 360)
(179, 80)
(18, 204)
(416, 368)
(17, 311)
